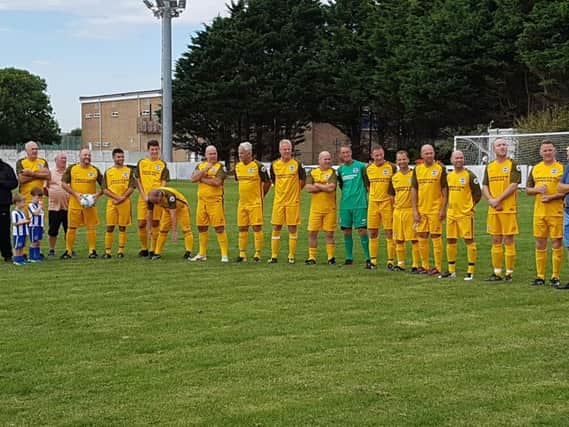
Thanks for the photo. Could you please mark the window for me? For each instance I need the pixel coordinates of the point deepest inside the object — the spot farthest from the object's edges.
(96, 115)
(115, 114)
(88, 115)
(145, 112)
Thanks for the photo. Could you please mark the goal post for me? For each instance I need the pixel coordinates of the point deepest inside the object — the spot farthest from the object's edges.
(522, 147)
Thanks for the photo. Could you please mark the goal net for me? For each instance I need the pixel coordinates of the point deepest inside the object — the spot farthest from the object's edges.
(522, 147)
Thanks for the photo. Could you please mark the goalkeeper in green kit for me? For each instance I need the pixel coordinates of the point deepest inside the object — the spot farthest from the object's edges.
(353, 181)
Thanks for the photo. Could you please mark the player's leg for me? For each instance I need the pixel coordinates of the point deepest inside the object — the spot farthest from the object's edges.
(156, 215)
(243, 222)
(556, 234)
(329, 226)
(165, 226)
(111, 218)
(373, 222)
(184, 220)
(125, 219)
(496, 252)
(387, 224)
(360, 217)
(422, 229)
(217, 220)
(346, 224)
(314, 226)
(202, 221)
(436, 231)
(540, 234)
(511, 230)
(452, 247)
(471, 248)
(91, 218)
(277, 220)
(292, 219)
(52, 230)
(256, 219)
(141, 212)
(75, 219)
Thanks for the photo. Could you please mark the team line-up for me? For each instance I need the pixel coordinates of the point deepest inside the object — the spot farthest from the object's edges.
(410, 204)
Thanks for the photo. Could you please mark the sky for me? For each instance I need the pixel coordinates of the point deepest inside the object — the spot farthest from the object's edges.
(92, 47)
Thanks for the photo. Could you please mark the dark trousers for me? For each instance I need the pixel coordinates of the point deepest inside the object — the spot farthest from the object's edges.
(5, 232)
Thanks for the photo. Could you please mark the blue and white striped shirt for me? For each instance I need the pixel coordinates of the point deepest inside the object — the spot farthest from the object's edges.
(22, 229)
(36, 220)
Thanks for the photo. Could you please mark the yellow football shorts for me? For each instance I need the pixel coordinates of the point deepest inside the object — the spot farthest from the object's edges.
(82, 216)
(120, 215)
(379, 214)
(548, 226)
(249, 215)
(460, 228)
(403, 225)
(322, 221)
(502, 224)
(210, 212)
(285, 215)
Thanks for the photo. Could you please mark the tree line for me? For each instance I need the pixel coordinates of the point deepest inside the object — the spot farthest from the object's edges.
(421, 69)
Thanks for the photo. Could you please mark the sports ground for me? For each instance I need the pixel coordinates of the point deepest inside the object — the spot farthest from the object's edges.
(132, 341)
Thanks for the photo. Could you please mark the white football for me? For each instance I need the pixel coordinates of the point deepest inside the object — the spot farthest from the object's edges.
(87, 200)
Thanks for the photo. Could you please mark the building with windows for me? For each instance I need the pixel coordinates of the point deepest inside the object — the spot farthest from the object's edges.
(126, 120)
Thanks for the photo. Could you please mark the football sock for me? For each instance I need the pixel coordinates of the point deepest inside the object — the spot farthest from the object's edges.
(222, 241)
(438, 252)
(415, 254)
(155, 232)
(497, 256)
(188, 240)
(364, 241)
(258, 243)
(275, 243)
(424, 251)
(349, 245)
(292, 241)
(160, 242)
(243, 237)
(91, 239)
(122, 241)
(400, 249)
(373, 248)
(390, 250)
(472, 255)
(143, 237)
(203, 238)
(510, 252)
(109, 242)
(312, 253)
(540, 261)
(70, 239)
(452, 250)
(330, 250)
(556, 261)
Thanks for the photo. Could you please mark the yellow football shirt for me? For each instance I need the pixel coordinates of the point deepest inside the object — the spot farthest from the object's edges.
(429, 182)
(463, 190)
(548, 175)
(380, 187)
(172, 199)
(250, 178)
(209, 192)
(402, 183)
(35, 165)
(286, 177)
(498, 176)
(118, 180)
(151, 173)
(322, 201)
(82, 180)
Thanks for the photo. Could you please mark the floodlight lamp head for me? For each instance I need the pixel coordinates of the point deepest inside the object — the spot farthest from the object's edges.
(181, 4)
(148, 4)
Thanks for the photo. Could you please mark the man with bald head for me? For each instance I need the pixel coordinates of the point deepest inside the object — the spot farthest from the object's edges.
(321, 184)
(58, 201)
(254, 182)
(175, 211)
(463, 194)
(429, 199)
(500, 186)
(32, 171)
(82, 178)
(210, 176)
(288, 178)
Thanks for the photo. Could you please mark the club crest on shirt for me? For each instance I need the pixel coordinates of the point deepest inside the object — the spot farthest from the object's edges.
(553, 171)
(125, 174)
(506, 169)
(292, 168)
(326, 176)
(157, 167)
(251, 170)
(434, 172)
(462, 180)
(355, 170)
(90, 174)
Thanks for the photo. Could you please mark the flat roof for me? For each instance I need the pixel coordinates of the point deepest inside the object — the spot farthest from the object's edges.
(157, 93)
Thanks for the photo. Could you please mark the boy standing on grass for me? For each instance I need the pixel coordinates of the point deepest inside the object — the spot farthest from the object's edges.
(36, 215)
(19, 229)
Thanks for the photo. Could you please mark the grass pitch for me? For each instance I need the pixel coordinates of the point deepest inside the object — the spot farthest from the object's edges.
(132, 341)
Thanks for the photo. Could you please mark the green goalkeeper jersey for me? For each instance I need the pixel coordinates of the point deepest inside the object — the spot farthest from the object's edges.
(353, 181)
